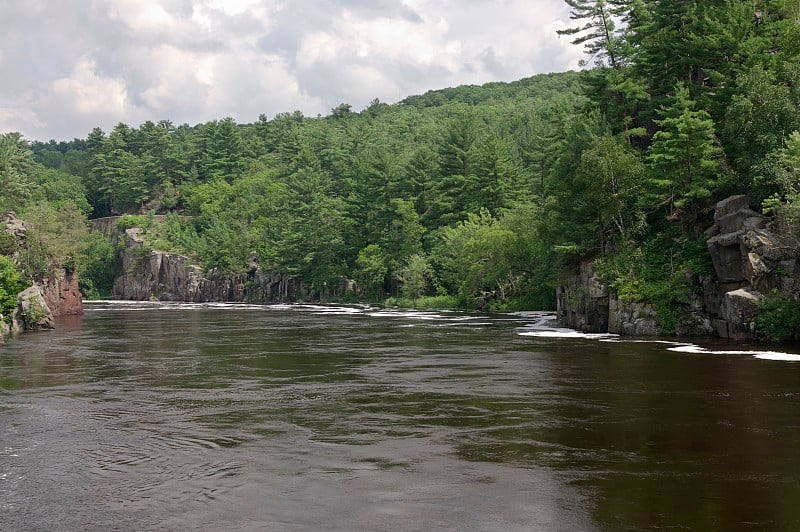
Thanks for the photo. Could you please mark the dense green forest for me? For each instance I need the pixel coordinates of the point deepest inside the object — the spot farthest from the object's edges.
(464, 191)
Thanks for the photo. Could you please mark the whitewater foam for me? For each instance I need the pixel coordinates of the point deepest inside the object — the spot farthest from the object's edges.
(762, 355)
(543, 325)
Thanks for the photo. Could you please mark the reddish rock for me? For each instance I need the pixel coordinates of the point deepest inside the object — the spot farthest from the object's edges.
(61, 293)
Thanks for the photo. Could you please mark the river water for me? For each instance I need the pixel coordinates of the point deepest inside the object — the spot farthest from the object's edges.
(145, 416)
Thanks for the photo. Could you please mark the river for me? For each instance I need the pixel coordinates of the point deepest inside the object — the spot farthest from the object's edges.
(149, 416)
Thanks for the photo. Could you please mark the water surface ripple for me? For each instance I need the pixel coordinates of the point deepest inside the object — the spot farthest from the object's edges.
(146, 416)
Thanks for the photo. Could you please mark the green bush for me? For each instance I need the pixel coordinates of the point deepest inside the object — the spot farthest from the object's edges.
(11, 284)
(128, 221)
(8, 244)
(655, 272)
(100, 266)
(423, 302)
(779, 318)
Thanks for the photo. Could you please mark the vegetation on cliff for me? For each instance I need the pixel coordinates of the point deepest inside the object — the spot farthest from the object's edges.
(369, 196)
(11, 284)
(53, 204)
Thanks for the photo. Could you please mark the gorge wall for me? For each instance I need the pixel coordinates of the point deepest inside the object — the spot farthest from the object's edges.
(148, 274)
(752, 256)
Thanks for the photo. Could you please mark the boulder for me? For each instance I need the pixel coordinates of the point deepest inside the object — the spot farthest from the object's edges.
(741, 219)
(737, 314)
(730, 205)
(32, 312)
(745, 251)
(726, 256)
(751, 256)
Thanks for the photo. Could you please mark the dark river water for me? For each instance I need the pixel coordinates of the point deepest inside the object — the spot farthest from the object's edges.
(143, 416)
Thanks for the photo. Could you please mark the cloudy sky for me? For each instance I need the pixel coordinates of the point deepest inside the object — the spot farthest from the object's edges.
(67, 66)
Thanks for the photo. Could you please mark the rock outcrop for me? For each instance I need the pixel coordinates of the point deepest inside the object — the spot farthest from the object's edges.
(14, 227)
(583, 301)
(587, 304)
(32, 313)
(173, 277)
(61, 293)
(55, 295)
(752, 256)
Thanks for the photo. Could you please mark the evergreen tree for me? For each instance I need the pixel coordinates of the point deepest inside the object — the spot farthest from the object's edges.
(16, 166)
(602, 41)
(685, 158)
(219, 150)
(117, 174)
(456, 190)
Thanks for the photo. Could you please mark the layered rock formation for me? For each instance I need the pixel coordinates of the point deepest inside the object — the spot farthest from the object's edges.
(752, 256)
(583, 301)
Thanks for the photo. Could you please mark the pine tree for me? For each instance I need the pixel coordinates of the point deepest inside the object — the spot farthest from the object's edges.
(16, 167)
(601, 38)
(685, 157)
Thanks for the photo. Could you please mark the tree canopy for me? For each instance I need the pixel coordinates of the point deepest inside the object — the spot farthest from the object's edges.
(472, 189)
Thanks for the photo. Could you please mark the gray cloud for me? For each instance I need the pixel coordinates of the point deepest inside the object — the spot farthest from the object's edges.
(70, 66)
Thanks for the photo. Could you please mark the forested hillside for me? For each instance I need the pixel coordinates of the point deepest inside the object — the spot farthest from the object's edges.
(468, 190)
(438, 194)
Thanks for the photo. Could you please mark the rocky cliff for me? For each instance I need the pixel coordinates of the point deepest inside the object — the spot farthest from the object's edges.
(752, 256)
(163, 276)
(55, 295)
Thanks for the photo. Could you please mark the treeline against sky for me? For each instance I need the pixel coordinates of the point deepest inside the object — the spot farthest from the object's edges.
(500, 188)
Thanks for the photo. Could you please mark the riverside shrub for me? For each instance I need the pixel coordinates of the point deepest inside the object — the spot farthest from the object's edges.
(11, 284)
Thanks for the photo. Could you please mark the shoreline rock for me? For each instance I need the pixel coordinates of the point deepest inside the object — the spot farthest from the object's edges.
(32, 312)
(55, 295)
(752, 256)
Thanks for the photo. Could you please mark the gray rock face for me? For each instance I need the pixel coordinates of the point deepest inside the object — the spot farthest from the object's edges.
(583, 301)
(14, 226)
(752, 256)
(738, 313)
(32, 312)
(637, 319)
(173, 277)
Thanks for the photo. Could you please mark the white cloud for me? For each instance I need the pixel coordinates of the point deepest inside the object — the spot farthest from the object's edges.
(233, 7)
(141, 15)
(179, 77)
(91, 94)
(69, 68)
(20, 115)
